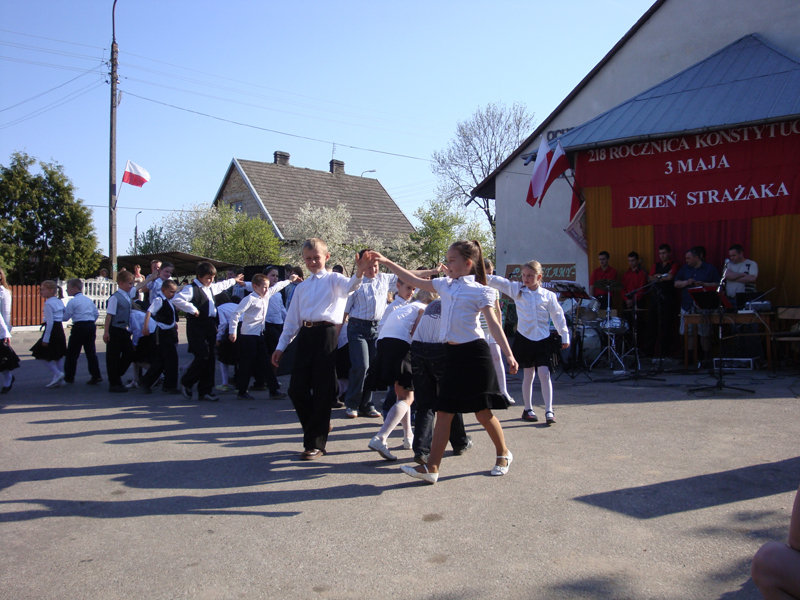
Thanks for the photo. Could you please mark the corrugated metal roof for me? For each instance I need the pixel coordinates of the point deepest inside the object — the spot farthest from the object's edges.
(747, 81)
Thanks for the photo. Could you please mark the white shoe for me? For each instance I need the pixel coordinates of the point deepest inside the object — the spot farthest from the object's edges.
(381, 448)
(426, 477)
(132, 384)
(56, 380)
(510, 399)
(498, 470)
(408, 443)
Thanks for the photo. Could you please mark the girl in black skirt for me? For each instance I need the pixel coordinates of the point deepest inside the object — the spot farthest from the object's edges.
(392, 367)
(532, 347)
(469, 383)
(8, 358)
(52, 346)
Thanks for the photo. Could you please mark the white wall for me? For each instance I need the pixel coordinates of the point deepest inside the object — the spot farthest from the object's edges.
(680, 34)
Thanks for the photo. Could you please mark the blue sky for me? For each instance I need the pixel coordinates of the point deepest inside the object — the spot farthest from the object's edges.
(388, 78)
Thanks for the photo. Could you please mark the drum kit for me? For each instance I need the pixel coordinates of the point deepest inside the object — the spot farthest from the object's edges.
(596, 333)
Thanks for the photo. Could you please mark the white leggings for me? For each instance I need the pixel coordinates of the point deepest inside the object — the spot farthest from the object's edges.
(499, 367)
(529, 375)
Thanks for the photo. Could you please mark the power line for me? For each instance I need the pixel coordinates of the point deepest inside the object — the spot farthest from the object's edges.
(302, 137)
(51, 39)
(47, 92)
(48, 51)
(43, 64)
(55, 104)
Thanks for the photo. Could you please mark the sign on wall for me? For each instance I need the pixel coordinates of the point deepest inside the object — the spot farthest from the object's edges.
(550, 272)
(737, 173)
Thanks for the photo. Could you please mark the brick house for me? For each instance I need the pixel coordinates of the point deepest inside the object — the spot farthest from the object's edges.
(276, 191)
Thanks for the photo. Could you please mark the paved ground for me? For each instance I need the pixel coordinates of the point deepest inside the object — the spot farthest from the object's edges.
(640, 491)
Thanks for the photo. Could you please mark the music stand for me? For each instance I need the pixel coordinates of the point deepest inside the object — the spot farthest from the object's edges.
(707, 300)
(575, 291)
(637, 372)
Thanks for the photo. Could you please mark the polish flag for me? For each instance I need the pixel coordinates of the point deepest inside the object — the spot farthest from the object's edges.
(135, 175)
(539, 176)
(558, 164)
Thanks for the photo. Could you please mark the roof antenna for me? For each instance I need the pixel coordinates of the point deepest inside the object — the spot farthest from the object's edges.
(333, 151)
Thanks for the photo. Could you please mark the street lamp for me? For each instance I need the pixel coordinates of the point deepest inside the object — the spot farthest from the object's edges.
(370, 171)
(136, 233)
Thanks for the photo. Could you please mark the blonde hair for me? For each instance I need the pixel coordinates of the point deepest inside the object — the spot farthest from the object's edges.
(471, 250)
(535, 266)
(315, 243)
(425, 296)
(49, 284)
(124, 276)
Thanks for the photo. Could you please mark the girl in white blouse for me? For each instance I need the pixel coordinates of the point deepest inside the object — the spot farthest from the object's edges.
(8, 358)
(469, 383)
(52, 346)
(535, 307)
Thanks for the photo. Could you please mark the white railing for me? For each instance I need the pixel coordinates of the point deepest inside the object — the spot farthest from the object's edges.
(97, 290)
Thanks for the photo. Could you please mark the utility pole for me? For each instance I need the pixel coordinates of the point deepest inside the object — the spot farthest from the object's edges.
(112, 159)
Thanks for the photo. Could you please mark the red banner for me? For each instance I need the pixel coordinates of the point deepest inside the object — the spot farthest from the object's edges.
(737, 173)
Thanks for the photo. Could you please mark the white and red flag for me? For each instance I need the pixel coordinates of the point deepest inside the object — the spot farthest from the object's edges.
(558, 164)
(539, 176)
(135, 175)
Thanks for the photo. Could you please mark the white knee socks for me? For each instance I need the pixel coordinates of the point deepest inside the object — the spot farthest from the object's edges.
(52, 366)
(7, 378)
(396, 414)
(529, 375)
(223, 372)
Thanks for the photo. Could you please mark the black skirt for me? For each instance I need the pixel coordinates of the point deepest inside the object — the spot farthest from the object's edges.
(469, 383)
(530, 353)
(228, 351)
(56, 347)
(392, 364)
(8, 358)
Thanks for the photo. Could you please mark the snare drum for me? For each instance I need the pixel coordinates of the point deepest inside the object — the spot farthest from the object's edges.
(615, 325)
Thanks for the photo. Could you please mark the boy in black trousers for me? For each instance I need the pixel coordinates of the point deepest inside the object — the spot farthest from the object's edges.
(197, 301)
(166, 336)
(316, 308)
(84, 315)
(117, 335)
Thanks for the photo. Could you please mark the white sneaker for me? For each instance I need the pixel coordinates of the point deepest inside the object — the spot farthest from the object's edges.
(381, 448)
(56, 380)
(408, 443)
(132, 384)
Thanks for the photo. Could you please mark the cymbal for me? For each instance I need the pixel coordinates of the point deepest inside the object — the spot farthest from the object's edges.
(608, 285)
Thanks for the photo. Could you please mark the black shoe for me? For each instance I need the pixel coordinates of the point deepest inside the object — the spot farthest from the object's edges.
(279, 395)
(529, 415)
(460, 451)
(258, 388)
(170, 390)
(209, 398)
(337, 404)
(94, 381)
(70, 380)
(117, 389)
(244, 396)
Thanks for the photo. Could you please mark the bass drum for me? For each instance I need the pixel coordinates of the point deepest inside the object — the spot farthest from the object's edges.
(592, 346)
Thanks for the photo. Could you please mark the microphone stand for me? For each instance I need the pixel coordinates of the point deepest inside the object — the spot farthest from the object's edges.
(637, 372)
(720, 385)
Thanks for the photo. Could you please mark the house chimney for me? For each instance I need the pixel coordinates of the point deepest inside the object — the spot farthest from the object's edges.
(337, 167)
(281, 158)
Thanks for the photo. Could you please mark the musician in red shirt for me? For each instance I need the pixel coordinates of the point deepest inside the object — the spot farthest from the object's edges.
(634, 279)
(604, 271)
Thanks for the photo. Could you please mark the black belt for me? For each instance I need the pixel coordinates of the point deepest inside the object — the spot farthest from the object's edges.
(317, 323)
(364, 321)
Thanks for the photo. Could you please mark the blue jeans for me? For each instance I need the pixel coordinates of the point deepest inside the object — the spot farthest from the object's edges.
(361, 338)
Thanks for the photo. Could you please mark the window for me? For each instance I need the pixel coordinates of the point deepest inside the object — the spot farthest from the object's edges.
(237, 206)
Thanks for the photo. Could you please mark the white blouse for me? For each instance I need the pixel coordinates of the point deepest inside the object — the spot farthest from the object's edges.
(53, 313)
(5, 313)
(462, 301)
(400, 324)
(535, 308)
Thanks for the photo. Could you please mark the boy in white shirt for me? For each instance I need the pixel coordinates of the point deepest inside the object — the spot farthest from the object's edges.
(162, 314)
(317, 307)
(84, 315)
(253, 346)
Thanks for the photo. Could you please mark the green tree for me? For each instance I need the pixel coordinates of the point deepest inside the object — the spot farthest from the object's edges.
(443, 224)
(154, 240)
(45, 232)
(251, 242)
(481, 143)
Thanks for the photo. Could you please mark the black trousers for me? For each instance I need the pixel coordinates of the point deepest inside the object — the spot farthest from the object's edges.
(427, 364)
(202, 338)
(313, 385)
(82, 335)
(272, 334)
(166, 360)
(254, 357)
(119, 354)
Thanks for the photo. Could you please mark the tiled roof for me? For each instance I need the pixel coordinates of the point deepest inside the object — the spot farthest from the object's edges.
(284, 189)
(745, 82)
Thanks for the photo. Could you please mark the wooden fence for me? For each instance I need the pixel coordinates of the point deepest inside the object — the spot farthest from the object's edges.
(27, 305)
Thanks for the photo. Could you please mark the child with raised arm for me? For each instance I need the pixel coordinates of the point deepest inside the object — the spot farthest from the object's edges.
(535, 307)
(253, 353)
(316, 308)
(392, 367)
(52, 346)
(469, 383)
(197, 301)
(161, 321)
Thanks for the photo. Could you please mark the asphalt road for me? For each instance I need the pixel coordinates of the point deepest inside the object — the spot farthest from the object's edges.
(641, 490)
